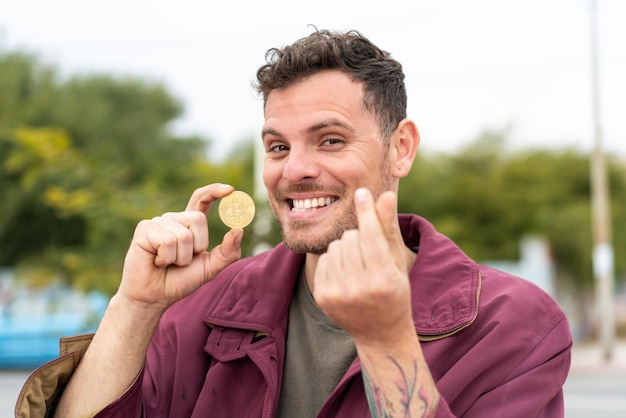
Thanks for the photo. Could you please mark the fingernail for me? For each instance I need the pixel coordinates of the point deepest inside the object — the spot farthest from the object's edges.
(360, 195)
(238, 239)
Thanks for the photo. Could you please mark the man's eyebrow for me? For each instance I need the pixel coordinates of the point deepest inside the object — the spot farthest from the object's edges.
(269, 131)
(329, 123)
(313, 128)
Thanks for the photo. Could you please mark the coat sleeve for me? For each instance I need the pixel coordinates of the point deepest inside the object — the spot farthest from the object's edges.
(42, 390)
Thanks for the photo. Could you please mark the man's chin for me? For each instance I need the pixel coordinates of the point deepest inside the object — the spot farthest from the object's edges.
(303, 238)
(307, 247)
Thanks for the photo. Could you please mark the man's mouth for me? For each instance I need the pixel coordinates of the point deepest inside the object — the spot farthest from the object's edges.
(301, 205)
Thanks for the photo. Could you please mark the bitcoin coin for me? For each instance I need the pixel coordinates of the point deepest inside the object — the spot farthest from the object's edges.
(237, 209)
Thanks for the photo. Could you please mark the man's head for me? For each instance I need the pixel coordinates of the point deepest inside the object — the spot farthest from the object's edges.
(350, 52)
(334, 121)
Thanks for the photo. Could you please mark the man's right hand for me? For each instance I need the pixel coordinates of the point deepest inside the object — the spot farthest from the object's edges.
(167, 259)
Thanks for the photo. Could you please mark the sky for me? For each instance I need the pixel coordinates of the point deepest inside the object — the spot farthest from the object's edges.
(521, 67)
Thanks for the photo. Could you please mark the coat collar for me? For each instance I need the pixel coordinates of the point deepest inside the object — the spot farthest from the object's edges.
(445, 282)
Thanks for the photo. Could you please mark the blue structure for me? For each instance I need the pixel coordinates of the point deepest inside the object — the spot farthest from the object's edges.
(32, 320)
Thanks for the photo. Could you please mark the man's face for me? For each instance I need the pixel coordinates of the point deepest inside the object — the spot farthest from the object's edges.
(321, 145)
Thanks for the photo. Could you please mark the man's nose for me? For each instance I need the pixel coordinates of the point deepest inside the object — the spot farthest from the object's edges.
(301, 164)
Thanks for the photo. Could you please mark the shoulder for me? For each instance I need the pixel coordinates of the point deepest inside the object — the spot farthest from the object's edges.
(510, 299)
(525, 322)
(515, 355)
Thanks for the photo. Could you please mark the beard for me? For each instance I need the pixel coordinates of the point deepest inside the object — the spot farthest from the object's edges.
(298, 236)
(304, 242)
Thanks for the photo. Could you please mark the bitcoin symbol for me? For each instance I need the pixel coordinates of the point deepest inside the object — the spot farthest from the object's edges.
(237, 209)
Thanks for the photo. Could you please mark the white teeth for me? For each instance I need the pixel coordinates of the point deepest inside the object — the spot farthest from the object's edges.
(308, 204)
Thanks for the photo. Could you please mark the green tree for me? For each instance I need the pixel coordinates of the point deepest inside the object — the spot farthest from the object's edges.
(82, 161)
(486, 198)
(28, 89)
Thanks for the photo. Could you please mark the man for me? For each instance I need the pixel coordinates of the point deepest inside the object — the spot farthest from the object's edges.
(359, 312)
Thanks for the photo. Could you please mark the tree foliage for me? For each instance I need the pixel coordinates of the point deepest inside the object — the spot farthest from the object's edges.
(82, 160)
(486, 198)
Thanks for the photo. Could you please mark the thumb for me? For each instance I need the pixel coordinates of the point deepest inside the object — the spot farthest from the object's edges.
(227, 252)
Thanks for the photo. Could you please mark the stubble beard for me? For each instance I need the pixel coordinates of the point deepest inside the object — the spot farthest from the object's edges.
(298, 239)
(296, 235)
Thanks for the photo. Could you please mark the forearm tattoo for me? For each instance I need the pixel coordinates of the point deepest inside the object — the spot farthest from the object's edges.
(406, 383)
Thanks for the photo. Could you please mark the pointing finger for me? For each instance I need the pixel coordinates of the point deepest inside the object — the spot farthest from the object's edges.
(373, 242)
(202, 198)
(387, 210)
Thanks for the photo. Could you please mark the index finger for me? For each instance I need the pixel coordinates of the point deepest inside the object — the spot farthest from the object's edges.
(203, 197)
(373, 240)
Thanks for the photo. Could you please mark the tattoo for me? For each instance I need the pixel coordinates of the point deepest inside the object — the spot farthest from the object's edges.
(382, 407)
(373, 395)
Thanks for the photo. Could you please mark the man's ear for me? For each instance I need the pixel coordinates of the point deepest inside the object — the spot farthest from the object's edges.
(403, 148)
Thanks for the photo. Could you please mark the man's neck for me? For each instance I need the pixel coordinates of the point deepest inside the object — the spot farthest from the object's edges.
(310, 264)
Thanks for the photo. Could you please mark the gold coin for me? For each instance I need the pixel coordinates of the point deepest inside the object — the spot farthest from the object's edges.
(237, 209)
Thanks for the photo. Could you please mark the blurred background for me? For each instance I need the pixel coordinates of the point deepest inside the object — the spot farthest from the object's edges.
(112, 112)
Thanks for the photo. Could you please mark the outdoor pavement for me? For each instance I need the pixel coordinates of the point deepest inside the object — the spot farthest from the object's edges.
(596, 387)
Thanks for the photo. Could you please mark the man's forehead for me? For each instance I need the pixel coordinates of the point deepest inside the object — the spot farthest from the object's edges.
(322, 81)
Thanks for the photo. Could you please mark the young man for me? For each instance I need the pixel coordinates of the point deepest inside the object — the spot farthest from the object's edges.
(359, 312)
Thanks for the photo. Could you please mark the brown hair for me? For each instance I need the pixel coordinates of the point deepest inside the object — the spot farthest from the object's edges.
(350, 52)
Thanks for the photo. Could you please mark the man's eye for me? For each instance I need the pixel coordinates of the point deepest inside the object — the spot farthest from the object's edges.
(277, 148)
(332, 141)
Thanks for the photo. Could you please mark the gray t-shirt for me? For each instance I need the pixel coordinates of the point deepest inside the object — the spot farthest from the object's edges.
(318, 353)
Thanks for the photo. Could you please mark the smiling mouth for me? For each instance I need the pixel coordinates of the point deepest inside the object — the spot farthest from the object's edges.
(302, 205)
